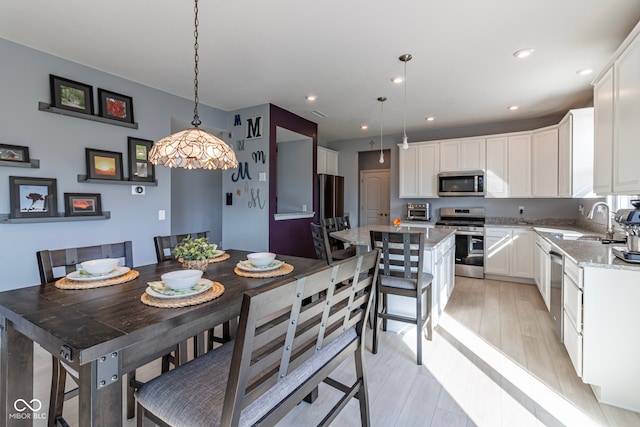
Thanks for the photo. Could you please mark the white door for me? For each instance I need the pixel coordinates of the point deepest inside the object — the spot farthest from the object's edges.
(374, 197)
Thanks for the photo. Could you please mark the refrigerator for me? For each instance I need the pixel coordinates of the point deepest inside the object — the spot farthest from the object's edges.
(331, 194)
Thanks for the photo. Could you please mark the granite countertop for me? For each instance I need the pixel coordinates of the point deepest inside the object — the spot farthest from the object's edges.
(589, 253)
(360, 235)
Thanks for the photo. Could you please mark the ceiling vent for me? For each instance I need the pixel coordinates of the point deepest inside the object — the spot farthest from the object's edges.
(319, 114)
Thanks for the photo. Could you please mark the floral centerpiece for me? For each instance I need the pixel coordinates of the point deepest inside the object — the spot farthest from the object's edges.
(194, 253)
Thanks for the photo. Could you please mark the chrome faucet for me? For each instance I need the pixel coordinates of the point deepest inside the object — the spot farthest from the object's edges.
(594, 209)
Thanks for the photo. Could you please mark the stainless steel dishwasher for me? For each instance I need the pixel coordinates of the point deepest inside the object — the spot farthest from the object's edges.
(555, 302)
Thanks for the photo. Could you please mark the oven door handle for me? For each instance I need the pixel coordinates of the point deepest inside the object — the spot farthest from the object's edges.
(469, 233)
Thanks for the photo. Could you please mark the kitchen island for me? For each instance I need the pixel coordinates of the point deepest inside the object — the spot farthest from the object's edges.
(439, 260)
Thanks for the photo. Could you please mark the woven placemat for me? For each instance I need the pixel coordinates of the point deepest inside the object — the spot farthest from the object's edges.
(281, 271)
(65, 283)
(212, 293)
(222, 257)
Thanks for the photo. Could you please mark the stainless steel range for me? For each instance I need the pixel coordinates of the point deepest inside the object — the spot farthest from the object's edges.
(468, 224)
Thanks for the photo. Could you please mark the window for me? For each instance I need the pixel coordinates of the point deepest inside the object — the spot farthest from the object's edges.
(620, 202)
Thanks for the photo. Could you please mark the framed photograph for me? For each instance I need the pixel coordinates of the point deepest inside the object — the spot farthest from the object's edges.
(140, 168)
(104, 164)
(14, 153)
(32, 197)
(71, 95)
(82, 204)
(115, 106)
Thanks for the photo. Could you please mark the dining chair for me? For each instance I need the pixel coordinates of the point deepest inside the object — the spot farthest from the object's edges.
(67, 260)
(324, 249)
(342, 222)
(164, 247)
(165, 244)
(283, 350)
(402, 273)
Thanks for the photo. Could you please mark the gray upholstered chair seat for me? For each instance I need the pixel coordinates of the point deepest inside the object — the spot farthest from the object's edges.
(261, 406)
(345, 253)
(404, 283)
(186, 396)
(193, 394)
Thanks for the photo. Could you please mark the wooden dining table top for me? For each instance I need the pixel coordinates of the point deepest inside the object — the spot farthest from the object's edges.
(94, 322)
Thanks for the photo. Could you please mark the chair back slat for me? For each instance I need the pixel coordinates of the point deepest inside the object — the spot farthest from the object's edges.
(402, 253)
(165, 244)
(270, 347)
(69, 258)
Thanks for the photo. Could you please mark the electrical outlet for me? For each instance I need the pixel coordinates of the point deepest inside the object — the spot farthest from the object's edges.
(521, 210)
(137, 190)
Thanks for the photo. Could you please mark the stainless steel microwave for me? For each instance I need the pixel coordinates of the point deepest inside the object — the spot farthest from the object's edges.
(465, 183)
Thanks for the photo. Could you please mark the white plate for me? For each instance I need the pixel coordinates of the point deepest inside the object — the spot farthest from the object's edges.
(216, 254)
(160, 290)
(247, 266)
(82, 276)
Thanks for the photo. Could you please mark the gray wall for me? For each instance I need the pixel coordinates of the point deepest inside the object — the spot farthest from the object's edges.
(59, 143)
(295, 185)
(246, 225)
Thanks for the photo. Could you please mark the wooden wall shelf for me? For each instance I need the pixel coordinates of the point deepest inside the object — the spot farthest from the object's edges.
(84, 179)
(5, 219)
(33, 164)
(43, 106)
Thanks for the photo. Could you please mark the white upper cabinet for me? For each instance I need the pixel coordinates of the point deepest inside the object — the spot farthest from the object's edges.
(496, 179)
(327, 161)
(626, 133)
(603, 135)
(519, 161)
(462, 155)
(544, 163)
(418, 170)
(575, 154)
(617, 123)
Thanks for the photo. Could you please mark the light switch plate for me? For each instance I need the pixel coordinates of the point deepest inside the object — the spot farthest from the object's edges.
(262, 176)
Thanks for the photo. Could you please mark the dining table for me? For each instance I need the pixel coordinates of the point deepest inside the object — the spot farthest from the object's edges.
(106, 332)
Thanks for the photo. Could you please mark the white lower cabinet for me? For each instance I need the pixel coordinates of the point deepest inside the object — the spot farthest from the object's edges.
(509, 251)
(542, 269)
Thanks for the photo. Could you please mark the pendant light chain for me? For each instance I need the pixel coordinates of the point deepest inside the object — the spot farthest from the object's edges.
(196, 118)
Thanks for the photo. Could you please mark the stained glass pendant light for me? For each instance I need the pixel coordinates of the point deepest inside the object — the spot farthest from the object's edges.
(381, 99)
(405, 58)
(193, 148)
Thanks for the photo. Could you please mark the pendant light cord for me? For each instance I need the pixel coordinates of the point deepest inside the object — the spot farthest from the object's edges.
(404, 124)
(196, 118)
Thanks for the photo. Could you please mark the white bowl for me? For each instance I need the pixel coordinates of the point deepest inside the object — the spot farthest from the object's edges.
(181, 279)
(99, 266)
(261, 259)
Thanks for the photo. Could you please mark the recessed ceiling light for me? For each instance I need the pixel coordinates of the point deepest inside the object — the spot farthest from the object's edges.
(584, 71)
(523, 53)
(311, 97)
(430, 118)
(512, 107)
(397, 80)
(364, 127)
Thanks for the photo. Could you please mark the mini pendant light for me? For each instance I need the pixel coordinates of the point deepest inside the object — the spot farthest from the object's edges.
(193, 148)
(405, 58)
(381, 99)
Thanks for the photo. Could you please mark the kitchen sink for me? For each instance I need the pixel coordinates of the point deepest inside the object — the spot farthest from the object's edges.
(570, 234)
(591, 237)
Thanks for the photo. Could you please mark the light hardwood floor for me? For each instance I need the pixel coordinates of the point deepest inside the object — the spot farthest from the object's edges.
(493, 361)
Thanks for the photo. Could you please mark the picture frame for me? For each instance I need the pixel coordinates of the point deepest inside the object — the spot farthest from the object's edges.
(82, 204)
(115, 106)
(32, 197)
(103, 164)
(71, 95)
(140, 168)
(14, 153)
